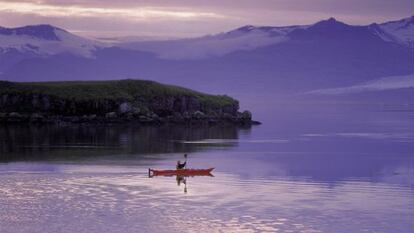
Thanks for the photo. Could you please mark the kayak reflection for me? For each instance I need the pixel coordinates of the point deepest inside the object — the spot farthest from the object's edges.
(181, 174)
(182, 179)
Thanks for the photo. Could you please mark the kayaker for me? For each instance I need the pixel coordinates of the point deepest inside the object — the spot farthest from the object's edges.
(182, 165)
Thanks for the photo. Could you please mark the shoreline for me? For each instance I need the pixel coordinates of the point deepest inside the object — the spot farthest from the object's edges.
(113, 118)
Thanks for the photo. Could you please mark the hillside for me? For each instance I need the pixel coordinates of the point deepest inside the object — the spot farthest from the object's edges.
(113, 101)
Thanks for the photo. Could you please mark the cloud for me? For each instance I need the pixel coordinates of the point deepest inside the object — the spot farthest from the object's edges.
(382, 84)
(115, 18)
(136, 13)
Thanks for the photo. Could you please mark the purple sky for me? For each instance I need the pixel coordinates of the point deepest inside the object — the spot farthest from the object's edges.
(173, 18)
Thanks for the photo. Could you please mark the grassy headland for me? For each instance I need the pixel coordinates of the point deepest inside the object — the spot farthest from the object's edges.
(115, 99)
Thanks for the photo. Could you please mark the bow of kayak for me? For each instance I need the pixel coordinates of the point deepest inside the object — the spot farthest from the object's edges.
(181, 172)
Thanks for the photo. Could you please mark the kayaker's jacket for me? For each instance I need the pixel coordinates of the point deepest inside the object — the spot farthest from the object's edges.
(181, 165)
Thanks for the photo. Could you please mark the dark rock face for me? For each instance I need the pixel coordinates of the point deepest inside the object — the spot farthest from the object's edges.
(39, 108)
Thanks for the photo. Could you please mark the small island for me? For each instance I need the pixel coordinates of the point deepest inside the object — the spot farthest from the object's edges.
(115, 101)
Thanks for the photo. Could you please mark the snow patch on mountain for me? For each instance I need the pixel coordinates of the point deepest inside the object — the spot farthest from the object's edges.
(403, 30)
(269, 30)
(385, 36)
(46, 42)
(382, 84)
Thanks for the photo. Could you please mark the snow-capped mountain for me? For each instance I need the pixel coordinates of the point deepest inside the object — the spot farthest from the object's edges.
(45, 40)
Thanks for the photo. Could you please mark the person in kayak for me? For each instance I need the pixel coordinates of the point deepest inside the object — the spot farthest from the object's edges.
(182, 165)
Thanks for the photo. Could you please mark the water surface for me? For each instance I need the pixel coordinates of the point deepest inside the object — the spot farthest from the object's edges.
(303, 170)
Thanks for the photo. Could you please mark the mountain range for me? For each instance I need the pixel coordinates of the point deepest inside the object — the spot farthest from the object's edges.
(249, 62)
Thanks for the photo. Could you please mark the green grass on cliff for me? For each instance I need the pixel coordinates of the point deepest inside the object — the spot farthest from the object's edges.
(114, 89)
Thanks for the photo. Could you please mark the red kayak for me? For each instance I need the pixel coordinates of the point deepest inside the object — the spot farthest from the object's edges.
(181, 172)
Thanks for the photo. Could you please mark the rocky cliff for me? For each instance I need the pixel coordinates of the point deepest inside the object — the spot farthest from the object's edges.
(135, 101)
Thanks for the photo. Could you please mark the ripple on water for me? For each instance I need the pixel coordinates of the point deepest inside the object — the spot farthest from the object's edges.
(125, 202)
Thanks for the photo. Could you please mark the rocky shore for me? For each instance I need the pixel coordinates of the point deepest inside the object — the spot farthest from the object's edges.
(108, 102)
(151, 118)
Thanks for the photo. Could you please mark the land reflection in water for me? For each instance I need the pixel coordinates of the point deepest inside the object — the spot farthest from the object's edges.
(77, 142)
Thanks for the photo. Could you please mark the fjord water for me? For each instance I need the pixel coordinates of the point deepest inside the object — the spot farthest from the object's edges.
(306, 169)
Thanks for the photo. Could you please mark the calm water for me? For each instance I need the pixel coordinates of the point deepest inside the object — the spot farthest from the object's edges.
(304, 170)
